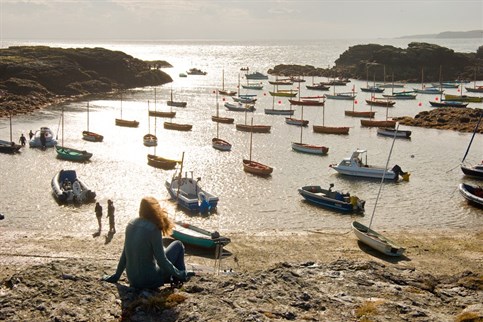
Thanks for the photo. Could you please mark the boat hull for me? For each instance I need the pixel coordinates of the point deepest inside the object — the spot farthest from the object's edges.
(473, 171)
(298, 122)
(253, 128)
(187, 193)
(177, 126)
(92, 137)
(162, 114)
(404, 134)
(161, 163)
(376, 241)
(226, 120)
(127, 123)
(332, 200)
(9, 147)
(376, 123)
(73, 195)
(36, 142)
(198, 237)
(473, 194)
(220, 144)
(256, 168)
(309, 148)
(342, 130)
(367, 114)
(70, 154)
(278, 112)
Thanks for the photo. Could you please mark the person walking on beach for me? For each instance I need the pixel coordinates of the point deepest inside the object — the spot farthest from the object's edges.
(110, 215)
(98, 211)
(31, 135)
(22, 140)
(147, 263)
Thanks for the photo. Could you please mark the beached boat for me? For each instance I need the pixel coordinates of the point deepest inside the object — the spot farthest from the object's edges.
(240, 107)
(161, 162)
(198, 237)
(334, 200)
(473, 194)
(256, 75)
(89, 135)
(44, 134)
(187, 193)
(376, 241)
(389, 131)
(355, 167)
(177, 126)
(195, 71)
(68, 188)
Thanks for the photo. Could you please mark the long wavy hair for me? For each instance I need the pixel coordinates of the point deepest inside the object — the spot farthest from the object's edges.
(151, 210)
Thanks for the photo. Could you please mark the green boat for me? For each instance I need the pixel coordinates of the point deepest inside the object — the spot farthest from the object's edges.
(70, 154)
(198, 237)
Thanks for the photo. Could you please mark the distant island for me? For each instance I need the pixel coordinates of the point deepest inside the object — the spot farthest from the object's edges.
(449, 35)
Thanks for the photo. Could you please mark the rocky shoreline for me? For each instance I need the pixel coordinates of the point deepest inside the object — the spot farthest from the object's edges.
(57, 278)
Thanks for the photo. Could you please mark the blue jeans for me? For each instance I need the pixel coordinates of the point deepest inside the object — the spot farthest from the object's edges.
(175, 254)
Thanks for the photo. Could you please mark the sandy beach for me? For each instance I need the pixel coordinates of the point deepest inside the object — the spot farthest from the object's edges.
(276, 275)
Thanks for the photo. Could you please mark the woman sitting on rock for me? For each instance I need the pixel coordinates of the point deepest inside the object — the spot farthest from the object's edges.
(147, 263)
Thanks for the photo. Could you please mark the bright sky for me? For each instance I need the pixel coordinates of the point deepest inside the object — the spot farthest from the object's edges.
(234, 19)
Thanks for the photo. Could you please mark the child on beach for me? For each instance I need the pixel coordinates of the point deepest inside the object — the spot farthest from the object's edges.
(147, 263)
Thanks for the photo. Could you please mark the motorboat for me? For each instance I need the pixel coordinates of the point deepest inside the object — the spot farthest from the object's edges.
(68, 188)
(46, 134)
(334, 200)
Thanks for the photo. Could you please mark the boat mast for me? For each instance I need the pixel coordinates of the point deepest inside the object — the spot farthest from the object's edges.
(10, 118)
(121, 105)
(383, 174)
(472, 137)
(301, 125)
(87, 116)
(251, 140)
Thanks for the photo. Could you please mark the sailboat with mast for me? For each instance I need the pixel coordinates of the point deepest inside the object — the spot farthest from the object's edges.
(308, 148)
(157, 113)
(426, 90)
(254, 167)
(344, 130)
(371, 237)
(475, 171)
(222, 91)
(89, 135)
(70, 154)
(220, 119)
(445, 103)
(150, 139)
(218, 143)
(9, 146)
(126, 123)
(172, 102)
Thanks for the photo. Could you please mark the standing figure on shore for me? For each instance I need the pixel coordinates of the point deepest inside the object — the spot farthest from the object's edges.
(31, 135)
(98, 211)
(110, 215)
(147, 263)
(22, 140)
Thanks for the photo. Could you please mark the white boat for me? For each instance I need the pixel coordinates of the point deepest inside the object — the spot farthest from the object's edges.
(473, 194)
(36, 141)
(68, 188)
(375, 240)
(355, 167)
(389, 131)
(188, 193)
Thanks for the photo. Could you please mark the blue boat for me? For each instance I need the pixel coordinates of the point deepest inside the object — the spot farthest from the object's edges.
(333, 200)
(188, 193)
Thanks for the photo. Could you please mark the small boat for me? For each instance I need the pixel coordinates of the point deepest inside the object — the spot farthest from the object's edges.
(253, 86)
(463, 98)
(240, 107)
(379, 101)
(474, 194)
(171, 102)
(70, 154)
(177, 126)
(161, 163)
(475, 89)
(195, 71)
(475, 171)
(244, 99)
(274, 111)
(378, 123)
(150, 140)
(218, 118)
(341, 96)
(428, 90)
(168, 114)
(282, 82)
(284, 93)
(297, 79)
(367, 114)
(372, 89)
(125, 123)
(308, 101)
(334, 200)
(376, 241)
(220, 144)
(344, 130)
(253, 128)
(310, 148)
(444, 103)
(254, 167)
(182, 75)
(88, 135)
(187, 193)
(318, 87)
(446, 85)
(48, 136)
(223, 91)
(9, 147)
(298, 122)
(389, 131)
(256, 75)
(401, 96)
(68, 188)
(390, 85)
(355, 167)
(198, 237)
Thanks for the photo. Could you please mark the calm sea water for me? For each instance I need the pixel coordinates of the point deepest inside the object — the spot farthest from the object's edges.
(119, 171)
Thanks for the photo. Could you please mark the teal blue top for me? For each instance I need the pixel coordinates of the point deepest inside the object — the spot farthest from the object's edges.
(144, 258)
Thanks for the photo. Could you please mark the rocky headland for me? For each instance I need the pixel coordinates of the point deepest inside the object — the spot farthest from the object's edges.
(32, 77)
(361, 61)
